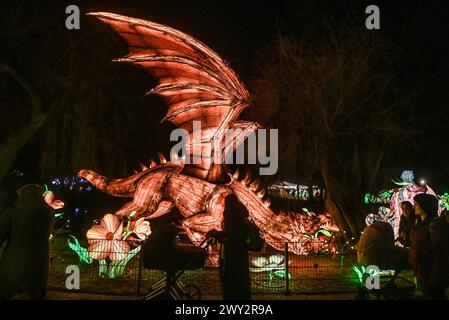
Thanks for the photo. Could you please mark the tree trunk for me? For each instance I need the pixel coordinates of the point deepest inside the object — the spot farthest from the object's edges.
(15, 142)
(343, 201)
(12, 145)
(345, 211)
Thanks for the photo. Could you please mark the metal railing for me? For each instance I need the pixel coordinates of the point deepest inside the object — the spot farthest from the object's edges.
(271, 271)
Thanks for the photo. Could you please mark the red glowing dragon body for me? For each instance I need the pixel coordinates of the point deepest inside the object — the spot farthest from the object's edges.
(197, 85)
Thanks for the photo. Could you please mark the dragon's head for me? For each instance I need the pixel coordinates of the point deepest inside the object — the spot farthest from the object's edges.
(303, 231)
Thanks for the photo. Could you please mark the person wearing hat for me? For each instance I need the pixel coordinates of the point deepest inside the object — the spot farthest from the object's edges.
(429, 247)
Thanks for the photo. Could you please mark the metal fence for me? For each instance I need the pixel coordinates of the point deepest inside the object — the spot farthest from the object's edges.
(271, 271)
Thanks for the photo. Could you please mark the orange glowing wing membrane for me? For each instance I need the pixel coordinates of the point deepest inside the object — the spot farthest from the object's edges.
(194, 81)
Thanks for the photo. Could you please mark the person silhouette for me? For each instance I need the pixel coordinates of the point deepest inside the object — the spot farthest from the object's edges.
(26, 226)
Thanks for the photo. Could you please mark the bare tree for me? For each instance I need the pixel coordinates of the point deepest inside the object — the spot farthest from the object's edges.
(60, 93)
(28, 99)
(15, 141)
(332, 94)
(90, 123)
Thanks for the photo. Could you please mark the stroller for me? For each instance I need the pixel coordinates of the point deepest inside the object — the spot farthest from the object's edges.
(376, 247)
(162, 252)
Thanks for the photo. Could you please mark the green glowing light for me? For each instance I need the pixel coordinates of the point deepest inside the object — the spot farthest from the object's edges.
(367, 198)
(360, 271)
(382, 197)
(103, 269)
(47, 191)
(279, 274)
(117, 268)
(323, 232)
(82, 252)
(445, 201)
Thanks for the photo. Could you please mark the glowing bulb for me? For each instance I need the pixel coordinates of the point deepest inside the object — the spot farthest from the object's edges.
(422, 181)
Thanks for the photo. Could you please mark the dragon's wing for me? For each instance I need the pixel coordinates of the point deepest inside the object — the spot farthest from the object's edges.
(195, 82)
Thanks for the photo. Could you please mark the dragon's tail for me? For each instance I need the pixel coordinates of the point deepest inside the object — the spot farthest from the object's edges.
(124, 187)
(100, 182)
(117, 187)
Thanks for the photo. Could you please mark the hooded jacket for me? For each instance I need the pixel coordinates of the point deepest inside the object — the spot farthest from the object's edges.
(25, 227)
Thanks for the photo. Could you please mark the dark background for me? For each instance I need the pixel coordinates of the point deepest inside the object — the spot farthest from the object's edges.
(238, 31)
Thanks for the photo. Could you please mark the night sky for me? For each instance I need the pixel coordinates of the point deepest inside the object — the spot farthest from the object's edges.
(239, 30)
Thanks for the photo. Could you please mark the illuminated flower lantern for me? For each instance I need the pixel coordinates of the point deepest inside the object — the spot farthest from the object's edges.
(141, 228)
(105, 239)
(49, 198)
(197, 85)
(111, 241)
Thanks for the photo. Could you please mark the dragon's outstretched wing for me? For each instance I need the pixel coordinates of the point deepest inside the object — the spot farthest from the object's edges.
(196, 84)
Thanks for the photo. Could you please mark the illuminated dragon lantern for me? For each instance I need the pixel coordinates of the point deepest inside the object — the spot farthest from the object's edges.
(197, 85)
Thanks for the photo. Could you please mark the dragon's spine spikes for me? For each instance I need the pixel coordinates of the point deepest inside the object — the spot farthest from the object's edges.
(162, 158)
(143, 167)
(255, 185)
(261, 193)
(267, 203)
(236, 174)
(152, 163)
(174, 157)
(247, 179)
(135, 171)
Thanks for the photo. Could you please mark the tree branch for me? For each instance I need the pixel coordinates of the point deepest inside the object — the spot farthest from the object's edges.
(35, 99)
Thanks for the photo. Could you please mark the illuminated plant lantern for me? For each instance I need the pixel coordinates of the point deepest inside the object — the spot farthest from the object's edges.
(406, 192)
(407, 176)
(197, 85)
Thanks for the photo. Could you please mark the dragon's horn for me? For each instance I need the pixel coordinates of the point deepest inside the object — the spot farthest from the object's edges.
(152, 163)
(162, 158)
(261, 193)
(143, 167)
